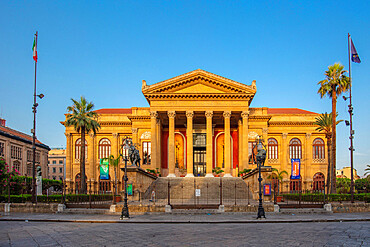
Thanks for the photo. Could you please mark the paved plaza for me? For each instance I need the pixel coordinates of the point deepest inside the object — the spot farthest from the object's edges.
(172, 230)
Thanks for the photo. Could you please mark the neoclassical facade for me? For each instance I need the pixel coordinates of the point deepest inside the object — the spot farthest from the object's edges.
(196, 122)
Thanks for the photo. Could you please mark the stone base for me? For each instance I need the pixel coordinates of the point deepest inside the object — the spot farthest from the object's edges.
(171, 175)
(209, 175)
(189, 175)
(61, 207)
(168, 209)
(228, 175)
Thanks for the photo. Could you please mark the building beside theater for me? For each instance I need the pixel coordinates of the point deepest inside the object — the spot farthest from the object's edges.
(16, 149)
(198, 121)
(57, 163)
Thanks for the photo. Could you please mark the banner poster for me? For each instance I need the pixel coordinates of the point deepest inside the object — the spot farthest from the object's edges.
(129, 189)
(296, 169)
(267, 189)
(104, 169)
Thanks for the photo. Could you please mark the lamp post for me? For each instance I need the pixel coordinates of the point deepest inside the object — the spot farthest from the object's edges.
(125, 145)
(260, 158)
(34, 110)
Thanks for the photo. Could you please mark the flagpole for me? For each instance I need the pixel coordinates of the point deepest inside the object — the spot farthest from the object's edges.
(34, 198)
(350, 110)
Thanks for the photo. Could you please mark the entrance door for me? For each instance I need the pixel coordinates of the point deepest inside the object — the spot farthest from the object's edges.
(199, 162)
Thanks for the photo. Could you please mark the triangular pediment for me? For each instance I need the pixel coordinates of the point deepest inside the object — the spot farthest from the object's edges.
(199, 82)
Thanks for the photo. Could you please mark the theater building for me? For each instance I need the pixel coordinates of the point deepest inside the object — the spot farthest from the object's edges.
(198, 121)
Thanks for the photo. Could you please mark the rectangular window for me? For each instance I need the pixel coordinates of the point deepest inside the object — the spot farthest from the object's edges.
(60, 162)
(29, 156)
(2, 149)
(147, 151)
(15, 152)
(60, 169)
(54, 170)
(54, 162)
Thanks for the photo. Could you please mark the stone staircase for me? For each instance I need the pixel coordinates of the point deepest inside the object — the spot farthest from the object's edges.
(199, 191)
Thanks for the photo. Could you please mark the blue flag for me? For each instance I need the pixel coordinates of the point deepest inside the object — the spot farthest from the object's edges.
(354, 56)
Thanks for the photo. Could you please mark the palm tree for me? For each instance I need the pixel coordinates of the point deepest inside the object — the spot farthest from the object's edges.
(82, 117)
(113, 162)
(278, 175)
(367, 170)
(324, 122)
(336, 82)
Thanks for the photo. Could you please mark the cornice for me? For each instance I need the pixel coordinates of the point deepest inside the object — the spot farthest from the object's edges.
(139, 118)
(259, 118)
(115, 123)
(291, 123)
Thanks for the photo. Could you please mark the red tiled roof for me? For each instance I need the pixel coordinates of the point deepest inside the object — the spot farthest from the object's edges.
(17, 134)
(288, 111)
(114, 111)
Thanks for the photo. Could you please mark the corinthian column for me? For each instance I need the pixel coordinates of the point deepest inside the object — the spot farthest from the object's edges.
(227, 150)
(171, 144)
(189, 144)
(245, 150)
(153, 121)
(209, 146)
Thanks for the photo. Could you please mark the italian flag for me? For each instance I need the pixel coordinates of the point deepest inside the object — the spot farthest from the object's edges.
(34, 49)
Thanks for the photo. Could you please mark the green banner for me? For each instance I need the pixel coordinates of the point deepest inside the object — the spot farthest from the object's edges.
(129, 189)
(104, 169)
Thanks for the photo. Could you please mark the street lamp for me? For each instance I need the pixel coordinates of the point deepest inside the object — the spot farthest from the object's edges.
(34, 110)
(351, 133)
(260, 158)
(125, 145)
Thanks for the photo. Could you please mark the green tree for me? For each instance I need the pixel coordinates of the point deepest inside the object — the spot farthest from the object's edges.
(279, 176)
(335, 83)
(324, 123)
(82, 117)
(113, 162)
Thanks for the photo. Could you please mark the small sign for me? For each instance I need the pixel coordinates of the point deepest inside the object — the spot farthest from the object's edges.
(267, 189)
(129, 189)
(197, 192)
(296, 169)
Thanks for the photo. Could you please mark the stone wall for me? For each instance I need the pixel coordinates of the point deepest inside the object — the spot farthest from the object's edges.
(348, 207)
(251, 179)
(30, 208)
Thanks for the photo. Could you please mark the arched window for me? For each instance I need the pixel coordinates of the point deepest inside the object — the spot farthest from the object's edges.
(318, 182)
(273, 148)
(104, 148)
(295, 149)
(78, 149)
(295, 185)
(318, 147)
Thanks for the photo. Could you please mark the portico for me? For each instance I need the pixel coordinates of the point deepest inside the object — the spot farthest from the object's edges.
(195, 104)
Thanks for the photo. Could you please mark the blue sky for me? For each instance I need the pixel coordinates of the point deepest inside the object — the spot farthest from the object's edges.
(103, 49)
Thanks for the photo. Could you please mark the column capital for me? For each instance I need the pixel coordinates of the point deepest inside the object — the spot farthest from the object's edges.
(91, 134)
(68, 134)
(245, 114)
(115, 135)
(209, 114)
(171, 114)
(227, 114)
(308, 135)
(284, 135)
(134, 130)
(265, 130)
(189, 114)
(153, 114)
